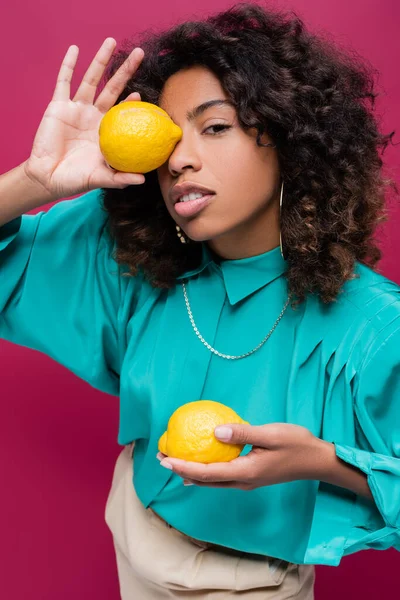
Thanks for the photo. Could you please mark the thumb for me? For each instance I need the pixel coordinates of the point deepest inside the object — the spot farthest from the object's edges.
(241, 434)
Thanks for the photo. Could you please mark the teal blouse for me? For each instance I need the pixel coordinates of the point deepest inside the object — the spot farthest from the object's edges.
(334, 369)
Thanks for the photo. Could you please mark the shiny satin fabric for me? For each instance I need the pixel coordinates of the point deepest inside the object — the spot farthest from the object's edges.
(333, 369)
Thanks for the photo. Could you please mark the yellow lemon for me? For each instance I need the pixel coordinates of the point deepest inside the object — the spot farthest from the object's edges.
(137, 137)
(190, 433)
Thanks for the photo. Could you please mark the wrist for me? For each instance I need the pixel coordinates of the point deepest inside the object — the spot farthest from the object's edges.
(331, 469)
(19, 194)
(322, 459)
(36, 188)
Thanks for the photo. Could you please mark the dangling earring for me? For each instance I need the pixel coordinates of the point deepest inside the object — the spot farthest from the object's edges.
(280, 218)
(181, 236)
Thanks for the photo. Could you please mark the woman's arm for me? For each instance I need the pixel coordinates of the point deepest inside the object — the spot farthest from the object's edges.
(337, 472)
(66, 159)
(20, 194)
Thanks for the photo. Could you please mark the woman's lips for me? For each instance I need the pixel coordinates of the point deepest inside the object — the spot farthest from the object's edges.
(192, 207)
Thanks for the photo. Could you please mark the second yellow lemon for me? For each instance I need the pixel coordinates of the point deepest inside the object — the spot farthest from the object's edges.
(137, 137)
(190, 433)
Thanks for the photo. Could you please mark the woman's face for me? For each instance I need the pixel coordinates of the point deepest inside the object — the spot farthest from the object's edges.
(242, 218)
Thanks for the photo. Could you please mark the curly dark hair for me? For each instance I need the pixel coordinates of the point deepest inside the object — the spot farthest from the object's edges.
(315, 102)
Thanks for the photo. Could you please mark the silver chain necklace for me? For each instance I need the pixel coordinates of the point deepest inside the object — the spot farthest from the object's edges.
(228, 356)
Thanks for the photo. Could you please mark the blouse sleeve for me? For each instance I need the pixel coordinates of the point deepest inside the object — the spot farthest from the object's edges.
(377, 413)
(60, 289)
(362, 406)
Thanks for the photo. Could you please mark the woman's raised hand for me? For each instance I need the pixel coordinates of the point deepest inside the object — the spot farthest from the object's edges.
(66, 159)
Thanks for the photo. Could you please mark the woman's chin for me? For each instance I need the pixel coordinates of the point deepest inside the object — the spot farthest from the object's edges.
(200, 234)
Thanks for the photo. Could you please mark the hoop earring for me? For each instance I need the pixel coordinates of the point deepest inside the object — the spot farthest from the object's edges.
(280, 219)
(181, 236)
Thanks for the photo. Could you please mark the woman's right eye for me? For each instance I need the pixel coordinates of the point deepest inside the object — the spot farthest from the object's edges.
(220, 126)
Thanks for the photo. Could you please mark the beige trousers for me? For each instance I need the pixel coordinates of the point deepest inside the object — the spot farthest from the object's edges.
(155, 561)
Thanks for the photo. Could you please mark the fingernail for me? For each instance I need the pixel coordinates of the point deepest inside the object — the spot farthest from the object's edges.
(160, 456)
(166, 464)
(187, 483)
(223, 433)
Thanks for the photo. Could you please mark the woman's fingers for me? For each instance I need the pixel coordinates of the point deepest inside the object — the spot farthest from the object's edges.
(63, 86)
(225, 484)
(88, 86)
(118, 81)
(114, 178)
(134, 96)
(233, 470)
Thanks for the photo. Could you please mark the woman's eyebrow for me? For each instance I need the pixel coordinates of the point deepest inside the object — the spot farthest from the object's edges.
(196, 112)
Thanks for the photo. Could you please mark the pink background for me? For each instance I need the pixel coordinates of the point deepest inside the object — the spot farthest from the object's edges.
(58, 435)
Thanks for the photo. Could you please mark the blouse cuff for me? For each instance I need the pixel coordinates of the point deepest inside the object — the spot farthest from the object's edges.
(383, 475)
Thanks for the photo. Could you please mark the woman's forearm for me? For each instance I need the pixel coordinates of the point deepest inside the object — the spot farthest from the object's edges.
(337, 472)
(19, 194)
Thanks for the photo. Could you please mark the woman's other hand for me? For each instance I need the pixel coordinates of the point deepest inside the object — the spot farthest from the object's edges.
(281, 452)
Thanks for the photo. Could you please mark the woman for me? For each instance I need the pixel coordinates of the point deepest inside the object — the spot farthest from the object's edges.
(261, 296)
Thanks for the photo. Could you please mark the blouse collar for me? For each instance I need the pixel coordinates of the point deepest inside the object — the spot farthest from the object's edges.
(242, 276)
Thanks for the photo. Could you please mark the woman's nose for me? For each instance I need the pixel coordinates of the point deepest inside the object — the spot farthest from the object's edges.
(184, 156)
